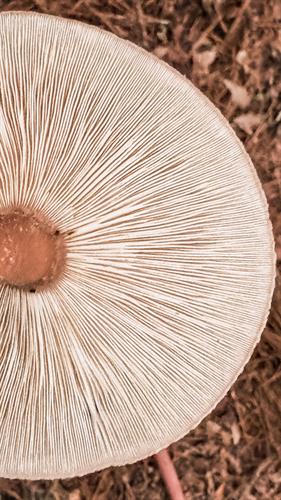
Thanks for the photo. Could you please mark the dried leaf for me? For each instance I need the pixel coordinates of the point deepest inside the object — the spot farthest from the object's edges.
(236, 435)
(226, 438)
(213, 428)
(239, 94)
(161, 51)
(248, 122)
(74, 495)
(243, 59)
(219, 493)
(205, 59)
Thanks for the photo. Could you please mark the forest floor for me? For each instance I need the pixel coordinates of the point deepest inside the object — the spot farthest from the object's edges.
(231, 50)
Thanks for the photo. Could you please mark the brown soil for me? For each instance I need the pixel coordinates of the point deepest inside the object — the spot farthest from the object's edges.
(231, 50)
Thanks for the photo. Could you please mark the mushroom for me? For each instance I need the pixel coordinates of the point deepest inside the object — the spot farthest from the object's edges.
(137, 258)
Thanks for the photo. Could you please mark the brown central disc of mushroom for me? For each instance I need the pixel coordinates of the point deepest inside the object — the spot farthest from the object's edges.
(32, 251)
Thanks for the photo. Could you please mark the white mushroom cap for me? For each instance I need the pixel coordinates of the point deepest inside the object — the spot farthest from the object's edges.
(170, 263)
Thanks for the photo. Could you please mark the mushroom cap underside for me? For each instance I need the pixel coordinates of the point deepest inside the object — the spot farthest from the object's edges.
(170, 262)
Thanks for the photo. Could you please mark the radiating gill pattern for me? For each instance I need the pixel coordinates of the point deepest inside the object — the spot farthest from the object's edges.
(170, 262)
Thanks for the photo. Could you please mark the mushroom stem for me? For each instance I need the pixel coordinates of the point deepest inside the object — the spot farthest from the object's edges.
(169, 475)
(31, 251)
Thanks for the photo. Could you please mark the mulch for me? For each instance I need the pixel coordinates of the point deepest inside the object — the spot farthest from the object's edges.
(231, 50)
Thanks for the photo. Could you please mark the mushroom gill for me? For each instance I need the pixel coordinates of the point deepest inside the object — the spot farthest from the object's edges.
(166, 258)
